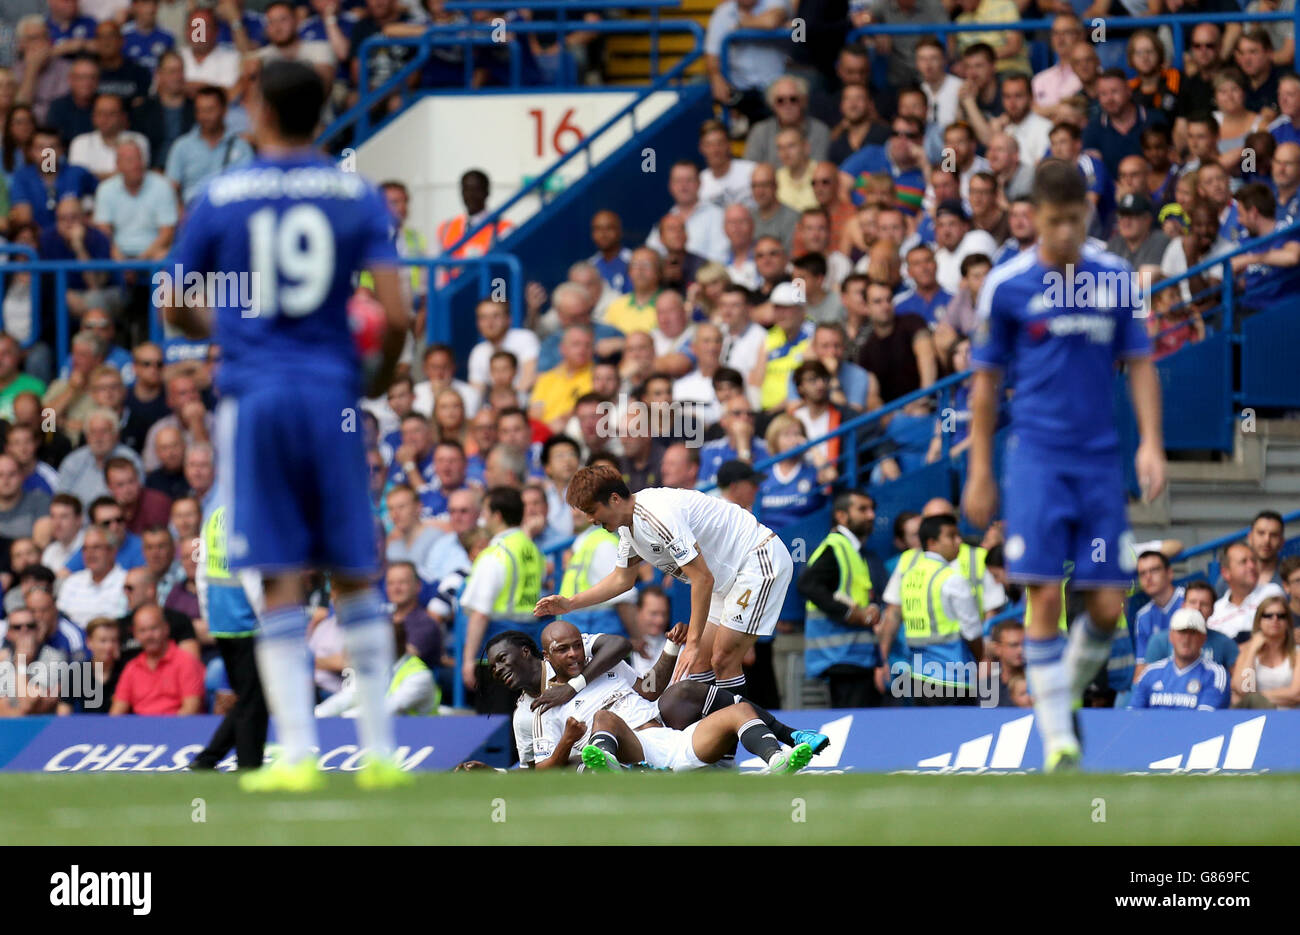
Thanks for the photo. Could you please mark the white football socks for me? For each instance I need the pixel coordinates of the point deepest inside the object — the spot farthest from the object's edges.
(368, 639)
(285, 669)
(1049, 685)
(1086, 651)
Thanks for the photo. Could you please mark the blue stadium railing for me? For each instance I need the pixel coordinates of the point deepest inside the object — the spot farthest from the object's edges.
(489, 267)
(1119, 25)
(471, 35)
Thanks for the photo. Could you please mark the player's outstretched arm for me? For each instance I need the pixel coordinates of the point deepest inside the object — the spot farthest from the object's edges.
(195, 323)
(606, 589)
(1144, 386)
(388, 290)
(606, 651)
(980, 497)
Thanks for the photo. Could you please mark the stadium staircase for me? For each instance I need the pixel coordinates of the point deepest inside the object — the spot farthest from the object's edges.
(628, 60)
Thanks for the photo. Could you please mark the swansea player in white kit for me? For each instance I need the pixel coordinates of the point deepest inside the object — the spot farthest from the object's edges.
(737, 568)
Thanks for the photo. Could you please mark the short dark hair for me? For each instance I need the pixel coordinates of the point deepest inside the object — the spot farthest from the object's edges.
(1003, 626)
(505, 355)
(295, 95)
(842, 500)
(1200, 584)
(507, 501)
(901, 520)
(980, 48)
(933, 526)
(212, 90)
(99, 503)
(554, 442)
(117, 462)
(1288, 566)
(68, 500)
(1057, 182)
(995, 557)
(650, 590)
(1155, 553)
(725, 375)
(1259, 196)
(810, 368)
(972, 260)
(814, 263)
(1274, 515)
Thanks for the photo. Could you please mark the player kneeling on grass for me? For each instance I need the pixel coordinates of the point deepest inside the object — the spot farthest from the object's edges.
(552, 720)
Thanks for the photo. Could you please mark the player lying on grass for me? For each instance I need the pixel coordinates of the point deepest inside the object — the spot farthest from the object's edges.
(576, 658)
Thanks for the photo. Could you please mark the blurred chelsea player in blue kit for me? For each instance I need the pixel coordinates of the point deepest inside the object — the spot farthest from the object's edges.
(1057, 319)
(291, 462)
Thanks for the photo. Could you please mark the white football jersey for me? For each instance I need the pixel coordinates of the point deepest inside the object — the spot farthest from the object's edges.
(670, 527)
(538, 734)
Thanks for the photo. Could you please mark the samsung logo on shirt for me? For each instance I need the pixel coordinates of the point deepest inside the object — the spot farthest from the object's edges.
(309, 182)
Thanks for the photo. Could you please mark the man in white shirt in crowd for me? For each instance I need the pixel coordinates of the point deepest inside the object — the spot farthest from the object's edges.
(744, 340)
(96, 152)
(724, 181)
(1234, 612)
(493, 320)
(704, 235)
(96, 590)
(695, 389)
(66, 532)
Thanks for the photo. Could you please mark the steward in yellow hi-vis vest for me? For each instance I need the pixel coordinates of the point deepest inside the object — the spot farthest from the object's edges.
(840, 627)
(941, 626)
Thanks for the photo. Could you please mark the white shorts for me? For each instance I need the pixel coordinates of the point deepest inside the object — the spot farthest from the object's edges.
(666, 748)
(753, 605)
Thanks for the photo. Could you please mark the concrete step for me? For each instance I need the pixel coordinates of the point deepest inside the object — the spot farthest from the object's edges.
(1238, 509)
(1285, 484)
(1282, 456)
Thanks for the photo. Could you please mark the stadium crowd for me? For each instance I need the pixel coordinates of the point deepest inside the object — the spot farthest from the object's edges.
(833, 268)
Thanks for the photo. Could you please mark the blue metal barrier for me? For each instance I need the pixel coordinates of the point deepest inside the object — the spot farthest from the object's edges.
(482, 35)
(437, 326)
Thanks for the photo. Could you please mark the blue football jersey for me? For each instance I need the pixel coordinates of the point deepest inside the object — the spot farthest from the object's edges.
(145, 48)
(1061, 335)
(285, 236)
(1202, 686)
(782, 503)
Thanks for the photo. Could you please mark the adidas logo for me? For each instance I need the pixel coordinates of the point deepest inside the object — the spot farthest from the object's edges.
(1007, 753)
(1243, 744)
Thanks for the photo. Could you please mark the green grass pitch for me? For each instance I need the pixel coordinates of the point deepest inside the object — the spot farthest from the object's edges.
(697, 808)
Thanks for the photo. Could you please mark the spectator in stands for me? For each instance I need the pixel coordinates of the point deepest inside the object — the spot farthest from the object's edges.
(611, 258)
(1286, 179)
(815, 411)
(283, 43)
(425, 634)
(956, 240)
(412, 536)
(136, 208)
(20, 444)
(186, 517)
(1245, 592)
(70, 398)
(412, 462)
(1185, 679)
(1059, 80)
(440, 373)
(754, 65)
(13, 382)
(1289, 572)
(560, 461)
(737, 444)
(163, 679)
(160, 559)
(855, 126)
(514, 430)
(725, 181)
(787, 342)
(794, 177)
(73, 113)
(960, 317)
(145, 403)
(813, 235)
(771, 217)
(141, 590)
(449, 469)
(1267, 674)
(188, 415)
(1253, 54)
(65, 531)
(41, 74)
(1136, 240)
(1265, 539)
(96, 589)
(1271, 275)
(704, 235)
(672, 334)
(558, 389)
(834, 205)
(144, 40)
(493, 319)
(141, 507)
(43, 177)
(680, 467)
(744, 339)
(640, 463)
(941, 88)
(205, 61)
(105, 648)
(635, 311)
(119, 75)
(200, 472)
(28, 691)
(73, 238)
(1156, 581)
(164, 116)
(926, 297)
(986, 213)
(1007, 647)
(694, 390)
(475, 189)
(1235, 117)
(1116, 132)
(738, 227)
(169, 477)
(903, 158)
(572, 305)
(680, 266)
(19, 508)
(900, 350)
(106, 514)
(788, 99)
(207, 149)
